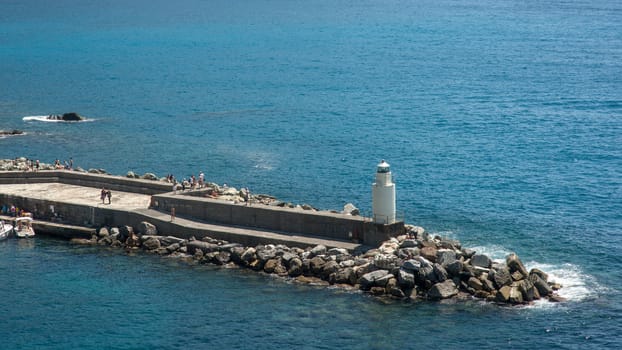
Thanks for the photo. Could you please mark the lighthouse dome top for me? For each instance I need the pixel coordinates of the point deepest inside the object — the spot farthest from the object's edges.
(384, 167)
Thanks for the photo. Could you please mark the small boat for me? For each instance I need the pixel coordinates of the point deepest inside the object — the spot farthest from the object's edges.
(5, 230)
(23, 227)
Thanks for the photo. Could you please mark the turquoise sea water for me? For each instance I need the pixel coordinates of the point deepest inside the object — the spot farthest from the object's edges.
(502, 122)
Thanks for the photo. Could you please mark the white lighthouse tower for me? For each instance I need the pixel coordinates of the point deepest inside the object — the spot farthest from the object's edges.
(383, 195)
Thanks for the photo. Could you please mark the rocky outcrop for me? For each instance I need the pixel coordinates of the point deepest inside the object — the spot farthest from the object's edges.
(68, 117)
(11, 132)
(397, 269)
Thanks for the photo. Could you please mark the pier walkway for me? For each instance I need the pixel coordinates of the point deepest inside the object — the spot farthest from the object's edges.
(128, 204)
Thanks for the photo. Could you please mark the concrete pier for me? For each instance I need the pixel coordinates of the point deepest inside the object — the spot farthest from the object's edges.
(73, 199)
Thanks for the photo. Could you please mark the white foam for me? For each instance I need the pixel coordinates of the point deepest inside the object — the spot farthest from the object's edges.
(576, 285)
(495, 252)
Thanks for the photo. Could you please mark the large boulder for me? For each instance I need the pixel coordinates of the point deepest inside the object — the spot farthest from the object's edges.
(316, 264)
(406, 278)
(445, 257)
(515, 264)
(344, 276)
(429, 253)
(481, 260)
(295, 267)
(147, 229)
(317, 250)
(350, 209)
(151, 243)
(204, 247)
(543, 288)
(501, 277)
(69, 117)
(368, 280)
(386, 261)
(440, 274)
(443, 290)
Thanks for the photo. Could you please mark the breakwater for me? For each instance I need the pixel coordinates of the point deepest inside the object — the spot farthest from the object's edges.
(406, 262)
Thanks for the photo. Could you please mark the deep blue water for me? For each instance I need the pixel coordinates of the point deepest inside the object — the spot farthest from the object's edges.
(502, 122)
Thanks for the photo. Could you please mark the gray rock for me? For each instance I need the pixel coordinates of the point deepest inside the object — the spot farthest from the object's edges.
(406, 278)
(271, 265)
(445, 257)
(125, 231)
(173, 247)
(384, 280)
(318, 250)
(131, 175)
(450, 244)
(204, 247)
(528, 290)
(151, 243)
(481, 260)
(329, 268)
(103, 232)
(409, 243)
(386, 261)
(220, 258)
(468, 253)
(440, 274)
(350, 209)
(423, 261)
(412, 265)
(540, 273)
(316, 264)
(114, 232)
(501, 277)
(503, 294)
(295, 267)
(429, 253)
(147, 228)
(368, 280)
(265, 253)
(338, 251)
(475, 283)
(149, 176)
(344, 276)
(287, 256)
(515, 264)
(443, 290)
(249, 255)
(454, 268)
(229, 246)
(168, 240)
(543, 288)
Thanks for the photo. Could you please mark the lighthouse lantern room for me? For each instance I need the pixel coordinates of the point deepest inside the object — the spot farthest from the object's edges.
(383, 195)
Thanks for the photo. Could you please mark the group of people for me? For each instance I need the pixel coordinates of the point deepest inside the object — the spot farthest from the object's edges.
(105, 194)
(68, 165)
(14, 211)
(190, 183)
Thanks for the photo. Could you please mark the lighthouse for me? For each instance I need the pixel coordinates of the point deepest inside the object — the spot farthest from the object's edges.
(383, 195)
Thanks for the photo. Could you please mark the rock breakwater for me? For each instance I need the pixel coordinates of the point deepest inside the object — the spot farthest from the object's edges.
(415, 266)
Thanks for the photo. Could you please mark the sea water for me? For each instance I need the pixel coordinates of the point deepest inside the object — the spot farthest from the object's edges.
(502, 122)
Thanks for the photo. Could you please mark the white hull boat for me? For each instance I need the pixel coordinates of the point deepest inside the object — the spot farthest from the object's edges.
(23, 227)
(5, 230)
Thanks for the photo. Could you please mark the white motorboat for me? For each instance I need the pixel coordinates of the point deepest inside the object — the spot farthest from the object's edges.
(5, 230)
(23, 227)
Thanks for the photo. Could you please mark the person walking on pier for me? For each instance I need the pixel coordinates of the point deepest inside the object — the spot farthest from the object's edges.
(109, 195)
(102, 196)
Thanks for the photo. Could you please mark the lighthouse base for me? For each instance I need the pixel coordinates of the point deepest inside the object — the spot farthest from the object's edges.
(375, 234)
